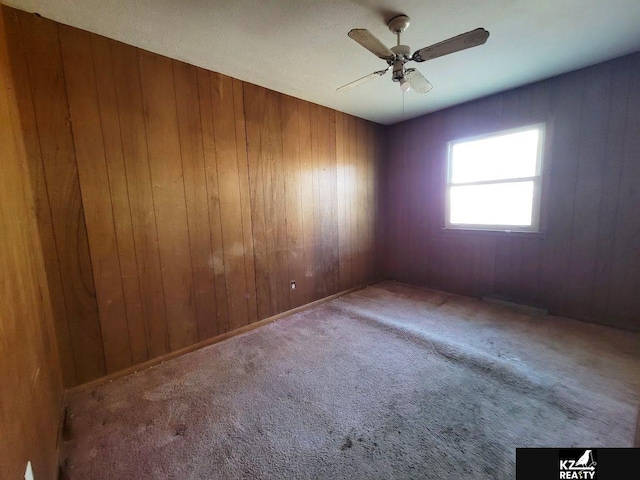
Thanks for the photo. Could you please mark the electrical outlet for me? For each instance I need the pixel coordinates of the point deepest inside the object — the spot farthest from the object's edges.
(28, 474)
(293, 284)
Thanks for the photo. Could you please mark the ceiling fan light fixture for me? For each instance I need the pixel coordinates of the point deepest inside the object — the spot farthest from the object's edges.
(404, 85)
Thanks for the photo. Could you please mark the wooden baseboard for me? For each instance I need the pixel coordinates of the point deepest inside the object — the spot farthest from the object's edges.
(210, 341)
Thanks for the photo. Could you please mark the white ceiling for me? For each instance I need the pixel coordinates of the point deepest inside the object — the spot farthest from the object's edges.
(301, 48)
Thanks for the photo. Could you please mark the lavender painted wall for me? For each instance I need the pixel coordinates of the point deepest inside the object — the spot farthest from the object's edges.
(586, 262)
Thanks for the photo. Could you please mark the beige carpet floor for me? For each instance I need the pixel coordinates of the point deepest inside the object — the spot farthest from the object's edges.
(392, 381)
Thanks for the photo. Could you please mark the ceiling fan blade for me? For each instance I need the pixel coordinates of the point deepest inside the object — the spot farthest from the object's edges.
(470, 39)
(365, 38)
(417, 81)
(362, 80)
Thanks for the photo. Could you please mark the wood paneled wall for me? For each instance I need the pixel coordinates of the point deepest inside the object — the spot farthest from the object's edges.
(586, 264)
(44, 113)
(31, 384)
(176, 204)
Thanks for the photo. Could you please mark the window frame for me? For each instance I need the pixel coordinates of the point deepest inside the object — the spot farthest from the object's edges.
(537, 179)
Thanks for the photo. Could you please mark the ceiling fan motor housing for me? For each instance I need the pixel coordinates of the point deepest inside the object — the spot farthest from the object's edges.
(403, 51)
(398, 70)
(403, 55)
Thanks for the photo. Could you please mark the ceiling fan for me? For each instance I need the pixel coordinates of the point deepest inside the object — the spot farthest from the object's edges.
(397, 57)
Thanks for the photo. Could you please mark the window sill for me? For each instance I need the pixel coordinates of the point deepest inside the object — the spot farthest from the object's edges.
(490, 232)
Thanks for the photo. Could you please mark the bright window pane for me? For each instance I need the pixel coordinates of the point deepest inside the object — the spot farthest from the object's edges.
(513, 155)
(492, 204)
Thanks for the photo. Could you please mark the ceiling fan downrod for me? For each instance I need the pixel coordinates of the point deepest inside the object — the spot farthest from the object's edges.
(397, 25)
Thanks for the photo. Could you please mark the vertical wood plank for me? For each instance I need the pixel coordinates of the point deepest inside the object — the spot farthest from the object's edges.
(437, 174)
(307, 199)
(254, 107)
(158, 94)
(567, 98)
(143, 218)
(346, 175)
(31, 383)
(361, 194)
(624, 281)
(215, 209)
(291, 164)
(58, 159)
(342, 191)
(224, 126)
(371, 166)
(96, 197)
(279, 281)
(245, 200)
(591, 151)
(324, 183)
(396, 189)
(615, 132)
(268, 201)
(219, 323)
(16, 47)
(114, 158)
(414, 186)
(196, 195)
(332, 166)
(318, 210)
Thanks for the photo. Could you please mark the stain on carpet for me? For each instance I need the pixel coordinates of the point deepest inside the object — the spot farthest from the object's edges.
(347, 444)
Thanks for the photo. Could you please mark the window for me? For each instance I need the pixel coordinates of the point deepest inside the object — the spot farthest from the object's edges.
(494, 181)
